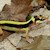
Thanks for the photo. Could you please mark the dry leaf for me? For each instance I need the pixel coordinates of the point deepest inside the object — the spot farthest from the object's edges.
(17, 11)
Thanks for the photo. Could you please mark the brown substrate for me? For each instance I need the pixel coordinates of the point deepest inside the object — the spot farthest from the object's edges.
(5, 35)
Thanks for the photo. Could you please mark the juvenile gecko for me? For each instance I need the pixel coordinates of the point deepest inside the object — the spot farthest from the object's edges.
(20, 26)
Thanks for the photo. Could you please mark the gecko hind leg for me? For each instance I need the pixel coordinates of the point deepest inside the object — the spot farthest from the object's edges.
(1, 31)
(26, 35)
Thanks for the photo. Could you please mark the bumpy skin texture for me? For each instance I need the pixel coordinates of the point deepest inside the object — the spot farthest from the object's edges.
(17, 11)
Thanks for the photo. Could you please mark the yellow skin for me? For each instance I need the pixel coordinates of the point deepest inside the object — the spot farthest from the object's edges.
(18, 23)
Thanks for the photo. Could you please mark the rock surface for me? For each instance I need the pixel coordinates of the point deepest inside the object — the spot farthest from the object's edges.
(3, 2)
(6, 45)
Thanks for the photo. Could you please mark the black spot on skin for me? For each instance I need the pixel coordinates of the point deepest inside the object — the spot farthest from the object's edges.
(36, 18)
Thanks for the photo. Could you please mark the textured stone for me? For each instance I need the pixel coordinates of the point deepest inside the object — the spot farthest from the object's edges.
(15, 38)
(6, 45)
(3, 2)
(42, 11)
(42, 31)
(44, 44)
